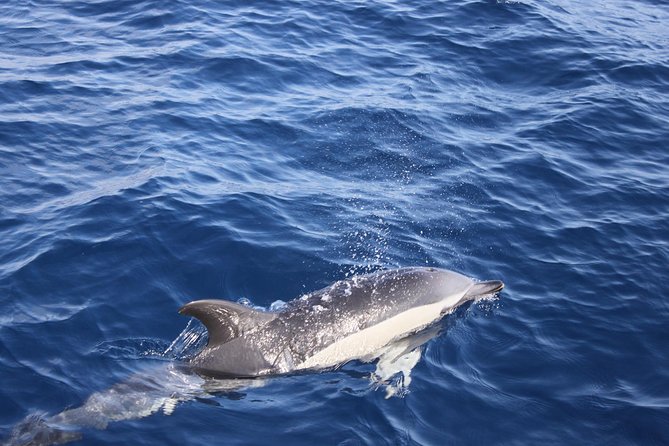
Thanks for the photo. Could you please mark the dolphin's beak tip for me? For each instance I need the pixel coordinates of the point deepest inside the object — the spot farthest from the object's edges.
(498, 286)
(485, 288)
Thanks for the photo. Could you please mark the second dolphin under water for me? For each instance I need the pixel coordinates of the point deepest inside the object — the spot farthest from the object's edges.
(351, 319)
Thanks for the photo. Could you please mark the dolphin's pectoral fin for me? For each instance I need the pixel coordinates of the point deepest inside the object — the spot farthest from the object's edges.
(393, 371)
(225, 320)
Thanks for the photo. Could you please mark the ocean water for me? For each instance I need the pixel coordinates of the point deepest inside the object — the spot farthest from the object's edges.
(156, 152)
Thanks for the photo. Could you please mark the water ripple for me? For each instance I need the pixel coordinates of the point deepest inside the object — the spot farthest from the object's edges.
(153, 153)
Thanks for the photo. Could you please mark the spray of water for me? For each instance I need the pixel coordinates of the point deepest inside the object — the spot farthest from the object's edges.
(189, 341)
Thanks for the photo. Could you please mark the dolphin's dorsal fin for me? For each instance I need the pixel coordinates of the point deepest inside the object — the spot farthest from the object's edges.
(225, 320)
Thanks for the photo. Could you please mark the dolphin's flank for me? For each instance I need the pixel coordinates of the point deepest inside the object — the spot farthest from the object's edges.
(350, 319)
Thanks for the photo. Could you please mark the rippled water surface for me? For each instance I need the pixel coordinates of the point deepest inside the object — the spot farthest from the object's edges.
(156, 152)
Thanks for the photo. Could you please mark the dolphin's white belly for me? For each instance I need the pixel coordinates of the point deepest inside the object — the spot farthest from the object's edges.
(372, 339)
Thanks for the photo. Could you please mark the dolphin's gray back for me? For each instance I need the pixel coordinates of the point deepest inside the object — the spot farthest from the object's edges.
(318, 319)
(247, 342)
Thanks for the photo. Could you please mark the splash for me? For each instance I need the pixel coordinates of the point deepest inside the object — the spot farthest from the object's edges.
(189, 341)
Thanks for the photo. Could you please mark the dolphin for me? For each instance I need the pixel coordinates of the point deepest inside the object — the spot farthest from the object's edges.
(348, 320)
(387, 316)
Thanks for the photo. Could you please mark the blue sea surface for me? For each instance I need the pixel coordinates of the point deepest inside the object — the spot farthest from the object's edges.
(156, 152)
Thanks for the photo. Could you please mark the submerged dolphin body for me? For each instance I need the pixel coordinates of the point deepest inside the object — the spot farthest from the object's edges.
(351, 319)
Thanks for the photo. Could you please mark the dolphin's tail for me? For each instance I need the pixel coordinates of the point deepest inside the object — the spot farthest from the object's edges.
(484, 289)
(35, 431)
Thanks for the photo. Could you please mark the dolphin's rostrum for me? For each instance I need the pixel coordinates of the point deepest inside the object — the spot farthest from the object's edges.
(350, 319)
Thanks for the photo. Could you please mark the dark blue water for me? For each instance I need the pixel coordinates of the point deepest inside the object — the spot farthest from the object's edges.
(156, 152)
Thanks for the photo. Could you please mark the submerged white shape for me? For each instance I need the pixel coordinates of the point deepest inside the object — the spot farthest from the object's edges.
(395, 360)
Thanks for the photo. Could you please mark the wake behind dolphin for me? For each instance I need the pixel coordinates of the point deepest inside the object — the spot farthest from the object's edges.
(386, 316)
